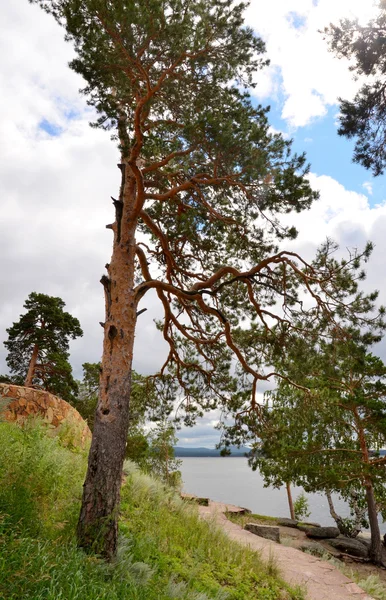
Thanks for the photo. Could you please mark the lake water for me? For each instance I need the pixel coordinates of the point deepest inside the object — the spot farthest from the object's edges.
(231, 480)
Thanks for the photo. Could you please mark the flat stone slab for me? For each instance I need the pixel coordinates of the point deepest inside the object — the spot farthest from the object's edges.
(322, 533)
(268, 532)
(239, 510)
(301, 525)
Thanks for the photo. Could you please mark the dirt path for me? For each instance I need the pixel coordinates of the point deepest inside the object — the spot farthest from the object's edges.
(321, 579)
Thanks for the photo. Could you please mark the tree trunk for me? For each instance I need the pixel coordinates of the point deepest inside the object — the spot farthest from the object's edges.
(333, 513)
(376, 544)
(290, 503)
(98, 520)
(32, 365)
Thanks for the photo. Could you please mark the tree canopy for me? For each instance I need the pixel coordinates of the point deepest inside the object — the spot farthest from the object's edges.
(364, 118)
(38, 346)
(203, 184)
(325, 433)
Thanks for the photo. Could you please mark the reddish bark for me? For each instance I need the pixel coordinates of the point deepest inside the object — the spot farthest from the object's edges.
(290, 503)
(97, 526)
(376, 544)
(32, 366)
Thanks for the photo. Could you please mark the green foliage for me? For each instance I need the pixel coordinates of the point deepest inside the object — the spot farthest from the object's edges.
(144, 400)
(154, 452)
(204, 184)
(87, 397)
(46, 328)
(39, 480)
(137, 447)
(161, 460)
(170, 79)
(301, 507)
(165, 550)
(364, 118)
(372, 585)
(321, 428)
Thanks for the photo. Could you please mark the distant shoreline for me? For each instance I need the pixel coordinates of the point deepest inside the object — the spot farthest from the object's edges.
(181, 452)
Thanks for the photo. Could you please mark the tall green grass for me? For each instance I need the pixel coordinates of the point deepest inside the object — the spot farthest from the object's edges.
(165, 551)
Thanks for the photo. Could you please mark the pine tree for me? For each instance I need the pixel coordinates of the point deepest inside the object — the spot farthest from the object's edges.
(364, 118)
(38, 346)
(203, 181)
(325, 433)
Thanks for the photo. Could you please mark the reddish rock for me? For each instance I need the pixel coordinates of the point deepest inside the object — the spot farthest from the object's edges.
(21, 402)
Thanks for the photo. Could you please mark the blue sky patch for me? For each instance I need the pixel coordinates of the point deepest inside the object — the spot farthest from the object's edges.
(50, 128)
(296, 20)
(330, 154)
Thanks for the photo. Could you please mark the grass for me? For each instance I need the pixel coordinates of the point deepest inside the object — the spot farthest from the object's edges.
(251, 518)
(165, 551)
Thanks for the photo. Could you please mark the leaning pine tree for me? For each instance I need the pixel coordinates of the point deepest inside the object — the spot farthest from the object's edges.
(202, 181)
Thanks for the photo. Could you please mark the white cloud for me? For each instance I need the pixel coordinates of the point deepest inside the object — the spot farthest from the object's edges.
(348, 218)
(309, 76)
(367, 185)
(56, 190)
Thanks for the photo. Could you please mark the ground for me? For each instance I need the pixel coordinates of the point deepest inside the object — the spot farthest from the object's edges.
(296, 538)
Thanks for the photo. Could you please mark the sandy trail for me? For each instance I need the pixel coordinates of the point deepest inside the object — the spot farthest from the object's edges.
(321, 579)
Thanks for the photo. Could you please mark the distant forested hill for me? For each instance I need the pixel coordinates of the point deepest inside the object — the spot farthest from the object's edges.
(180, 452)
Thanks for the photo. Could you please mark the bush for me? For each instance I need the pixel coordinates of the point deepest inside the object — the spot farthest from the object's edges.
(301, 507)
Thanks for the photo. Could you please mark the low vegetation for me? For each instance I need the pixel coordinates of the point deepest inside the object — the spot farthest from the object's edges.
(165, 551)
(251, 518)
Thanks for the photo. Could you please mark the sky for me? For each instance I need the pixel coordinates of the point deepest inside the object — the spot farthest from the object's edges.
(57, 174)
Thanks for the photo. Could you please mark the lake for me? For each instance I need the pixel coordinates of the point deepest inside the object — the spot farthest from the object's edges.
(231, 480)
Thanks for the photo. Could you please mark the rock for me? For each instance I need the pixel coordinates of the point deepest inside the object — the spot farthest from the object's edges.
(18, 403)
(202, 501)
(364, 537)
(313, 548)
(284, 522)
(195, 499)
(268, 532)
(239, 510)
(350, 546)
(308, 524)
(364, 540)
(303, 527)
(322, 532)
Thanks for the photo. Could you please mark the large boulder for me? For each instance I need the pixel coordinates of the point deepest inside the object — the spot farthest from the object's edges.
(17, 403)
(284, 522)
(322, 532)
(268, 532)
(350, 546)
(313, 548)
